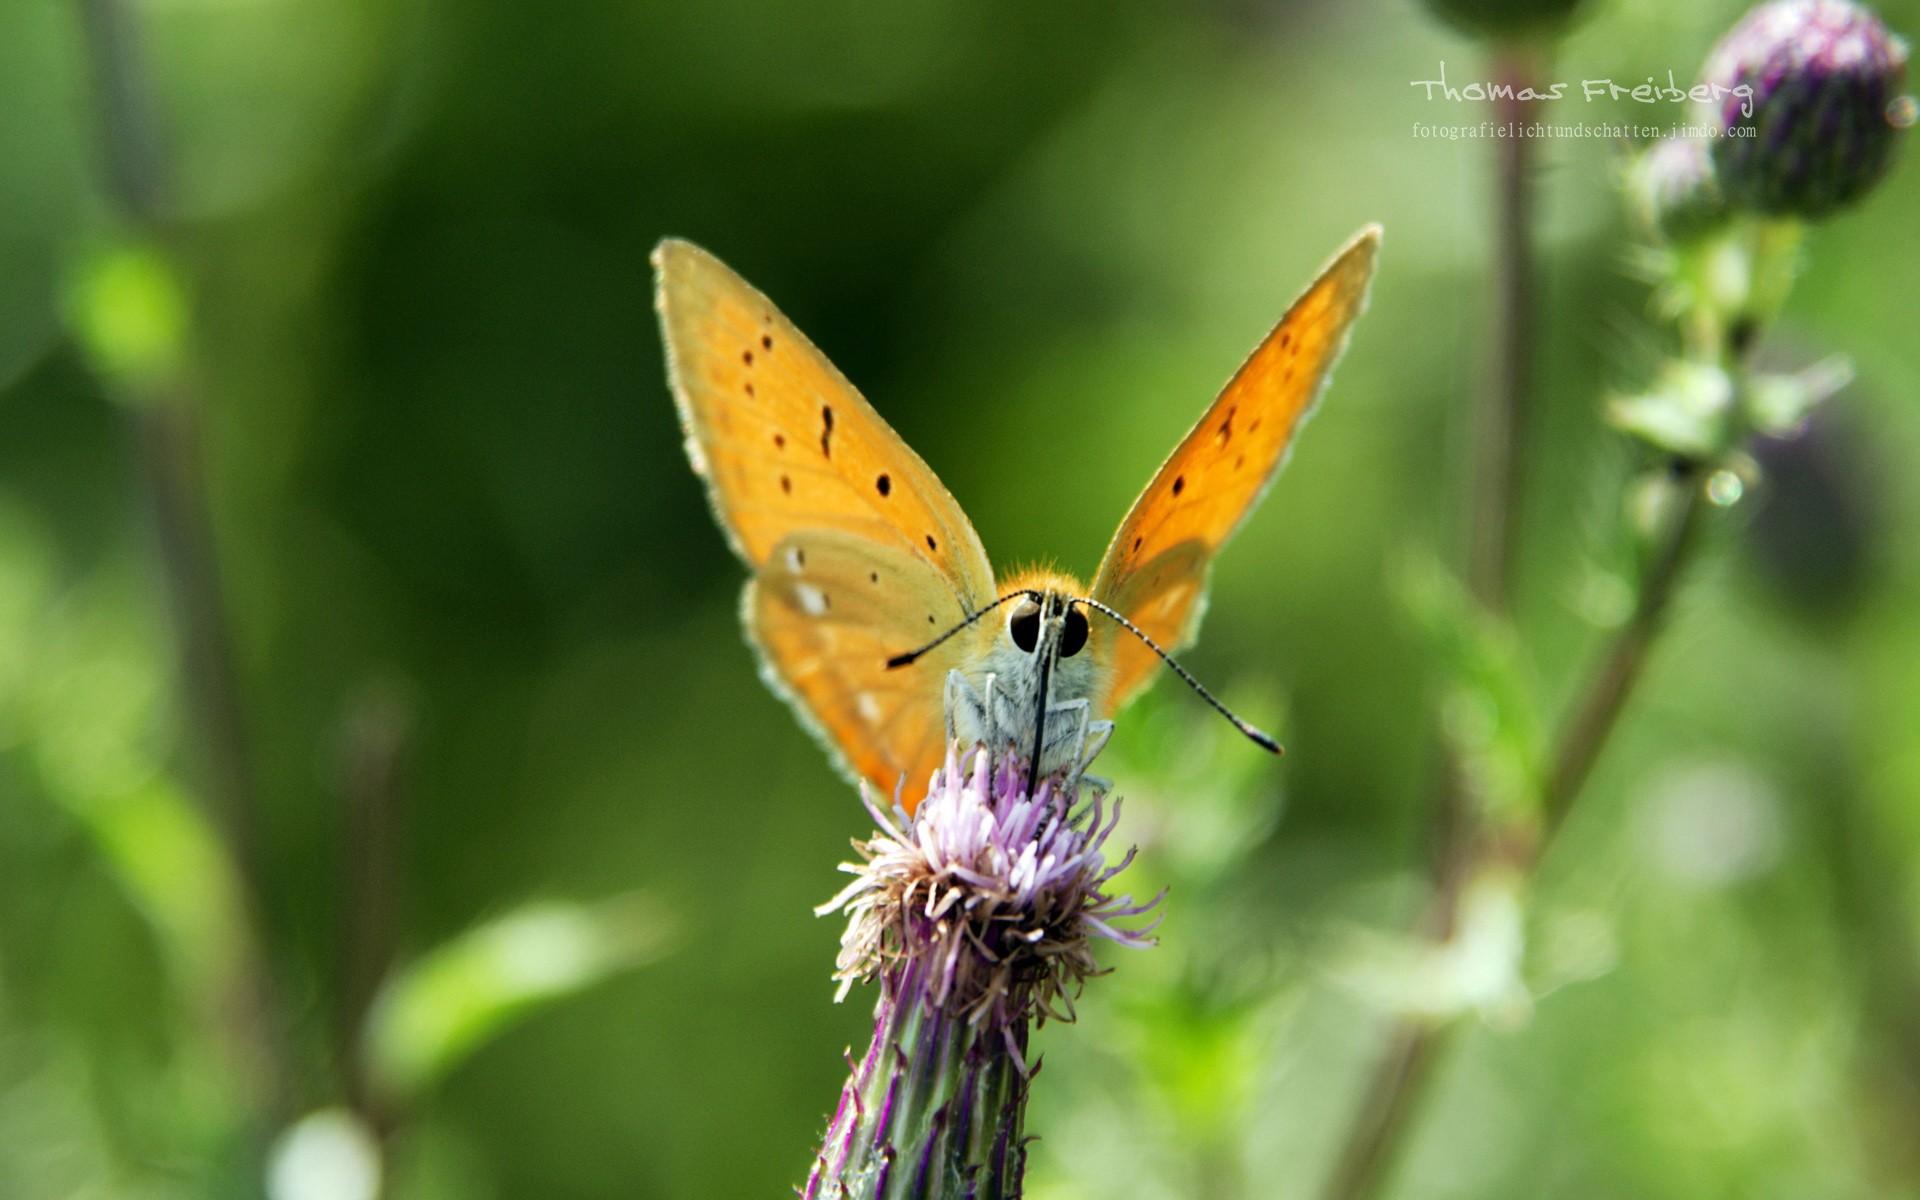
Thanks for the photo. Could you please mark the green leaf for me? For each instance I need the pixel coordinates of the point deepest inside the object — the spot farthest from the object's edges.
(173, 867)
(1777, 404)
(1685, 412)
(1488, 714)
(437, 1011)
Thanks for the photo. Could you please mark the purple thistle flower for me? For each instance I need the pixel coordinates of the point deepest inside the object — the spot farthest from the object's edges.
(1806, 93)
(978, 916)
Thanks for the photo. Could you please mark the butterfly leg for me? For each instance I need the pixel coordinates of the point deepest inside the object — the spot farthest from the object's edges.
(1089, 738)
(973, 718)
(1076, 714)
(1002, 724)
(969, 714)
(958, 692)
(1098, 734)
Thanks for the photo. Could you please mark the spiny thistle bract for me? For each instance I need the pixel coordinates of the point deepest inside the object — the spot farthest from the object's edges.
(1807, 91)
(978, 916)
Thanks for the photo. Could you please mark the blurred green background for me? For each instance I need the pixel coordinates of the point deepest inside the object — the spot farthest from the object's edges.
(497, 726)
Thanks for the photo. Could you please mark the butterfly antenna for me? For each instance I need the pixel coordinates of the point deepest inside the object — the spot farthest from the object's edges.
(907, 659)
(1254, 735)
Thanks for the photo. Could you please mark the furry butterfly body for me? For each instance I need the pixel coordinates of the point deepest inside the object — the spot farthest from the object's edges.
(872, 604)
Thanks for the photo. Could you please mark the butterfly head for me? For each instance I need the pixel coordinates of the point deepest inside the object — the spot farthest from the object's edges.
(1046, 631)
(1042, 659)
(1049, 624)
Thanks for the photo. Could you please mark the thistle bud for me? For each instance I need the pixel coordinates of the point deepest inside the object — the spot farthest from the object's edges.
(1673, 189)
(1804, 95)
(977, 916)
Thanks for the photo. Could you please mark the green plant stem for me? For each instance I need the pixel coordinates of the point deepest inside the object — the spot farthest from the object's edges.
(378, 736)
(1499, 418)
(1392, 1093)
(1391, 1098)
(1493, 506)
(1497, 423)
(166, 446)
(1601, 701)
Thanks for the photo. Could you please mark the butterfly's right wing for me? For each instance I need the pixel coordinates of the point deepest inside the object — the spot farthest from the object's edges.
(1155, 570)
(858, 552)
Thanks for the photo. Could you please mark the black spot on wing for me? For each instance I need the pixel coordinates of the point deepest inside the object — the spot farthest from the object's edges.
(826, 430)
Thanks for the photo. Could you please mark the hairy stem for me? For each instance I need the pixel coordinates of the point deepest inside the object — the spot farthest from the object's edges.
(934, 1111)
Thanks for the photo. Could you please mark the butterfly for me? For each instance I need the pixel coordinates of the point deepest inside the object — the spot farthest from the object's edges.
(872, 605)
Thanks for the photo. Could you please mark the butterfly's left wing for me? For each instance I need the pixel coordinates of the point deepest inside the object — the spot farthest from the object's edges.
(858, 553)
(1155, 569)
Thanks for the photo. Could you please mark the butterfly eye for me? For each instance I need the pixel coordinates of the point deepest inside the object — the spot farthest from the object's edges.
(1024, 625)
(1073, 635)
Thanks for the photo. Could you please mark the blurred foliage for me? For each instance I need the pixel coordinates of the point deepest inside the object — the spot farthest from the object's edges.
(434, 1013)
(1489, 714)
(405, 276)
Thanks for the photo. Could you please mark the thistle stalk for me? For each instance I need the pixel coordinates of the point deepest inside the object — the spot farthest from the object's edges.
(977, 916)
(1816, 78)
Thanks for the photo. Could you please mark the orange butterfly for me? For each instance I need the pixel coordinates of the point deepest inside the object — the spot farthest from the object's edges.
(870, 587)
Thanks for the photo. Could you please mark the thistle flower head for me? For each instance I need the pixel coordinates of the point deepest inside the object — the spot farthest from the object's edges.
(1815, 81)
(1001, 893)
(978, 915)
